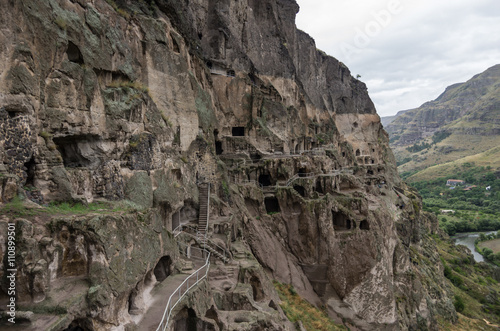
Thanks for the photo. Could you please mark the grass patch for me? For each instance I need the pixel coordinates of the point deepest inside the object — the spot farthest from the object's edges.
(297, 309)
(17, 208)
(494, 245)
(129, 84)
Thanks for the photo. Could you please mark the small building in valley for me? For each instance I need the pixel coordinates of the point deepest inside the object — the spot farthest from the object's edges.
(454, 182)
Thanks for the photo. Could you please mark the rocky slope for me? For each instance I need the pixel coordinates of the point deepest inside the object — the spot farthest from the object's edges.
(146, 103)
(463, 121)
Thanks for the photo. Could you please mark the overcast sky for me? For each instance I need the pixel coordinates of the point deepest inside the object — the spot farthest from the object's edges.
(406, 51)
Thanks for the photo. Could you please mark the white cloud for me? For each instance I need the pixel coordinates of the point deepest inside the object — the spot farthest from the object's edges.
(415, 53)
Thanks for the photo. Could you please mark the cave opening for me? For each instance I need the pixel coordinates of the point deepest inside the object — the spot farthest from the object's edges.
(358, 153)
(188, 213)
(218, 147)
(71, 147)
(302, 172)
(79, 324)
(255, 157)
(209, 65)
(257, 290)
(30, 172)
(343, 154)
(265, 180)
(238, 131)
(369, 172)
(188, 321)
(364, 225)
(272, 205)
(300, 190)
(340, 221)
(162, 268)
(319, 187)
(74, 54)
(231, 73)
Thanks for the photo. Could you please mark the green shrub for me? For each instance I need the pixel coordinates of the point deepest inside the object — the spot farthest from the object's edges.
(459, 304)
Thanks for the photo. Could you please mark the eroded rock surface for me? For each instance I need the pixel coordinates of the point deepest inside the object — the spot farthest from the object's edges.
(145, 101)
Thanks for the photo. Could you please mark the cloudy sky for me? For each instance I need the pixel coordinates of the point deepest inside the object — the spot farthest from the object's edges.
(406, 51)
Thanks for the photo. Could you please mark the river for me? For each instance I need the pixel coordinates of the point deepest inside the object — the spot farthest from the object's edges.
(467, 239)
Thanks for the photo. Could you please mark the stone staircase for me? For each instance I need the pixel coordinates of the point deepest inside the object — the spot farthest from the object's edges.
(217, 253)
(204, 199)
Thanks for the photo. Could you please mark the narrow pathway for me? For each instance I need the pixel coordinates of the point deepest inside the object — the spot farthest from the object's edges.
(152, 318)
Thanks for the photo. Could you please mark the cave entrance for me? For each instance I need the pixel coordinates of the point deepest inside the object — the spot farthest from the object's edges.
(162, 269)
(186, 320)
(30, 172)
(369, 172)
(319, 187)
(188, 213)
(302, 172)
(231, 73)
(79, 324)
(272, 205)
(358, 153)
(257, 290)
(340, 221)
(71, 148)
(74, 54)
(218, 147)
(364, 225)
(238, 131)
(300, 190)
(265, 180)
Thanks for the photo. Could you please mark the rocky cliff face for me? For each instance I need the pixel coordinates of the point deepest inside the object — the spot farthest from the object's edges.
(144, 102)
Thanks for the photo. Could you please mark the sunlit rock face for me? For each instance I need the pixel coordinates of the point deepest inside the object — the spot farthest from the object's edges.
(143, 102)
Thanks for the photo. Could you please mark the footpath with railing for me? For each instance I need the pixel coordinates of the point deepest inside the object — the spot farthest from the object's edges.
(180, 292)
(207, 243)
(309, 175)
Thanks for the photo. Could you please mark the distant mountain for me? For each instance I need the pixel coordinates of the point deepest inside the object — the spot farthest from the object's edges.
(463, 121)
(386, 120)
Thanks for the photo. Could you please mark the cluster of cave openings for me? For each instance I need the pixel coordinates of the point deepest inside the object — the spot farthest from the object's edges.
(238, 131)
(265, 180)
(162, 269)
(272, 205)
(340, 221)
(364, 225)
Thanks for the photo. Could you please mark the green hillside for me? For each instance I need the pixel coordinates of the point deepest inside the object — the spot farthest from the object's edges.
(462, 125)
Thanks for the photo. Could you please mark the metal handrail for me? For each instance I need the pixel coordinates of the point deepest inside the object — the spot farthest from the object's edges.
(169, 308)
(208, 214)
(210, 244)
